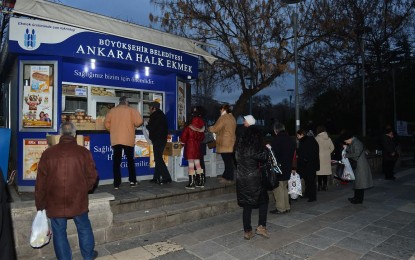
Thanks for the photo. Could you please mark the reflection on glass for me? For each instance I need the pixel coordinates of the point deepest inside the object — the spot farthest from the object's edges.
(103, 108)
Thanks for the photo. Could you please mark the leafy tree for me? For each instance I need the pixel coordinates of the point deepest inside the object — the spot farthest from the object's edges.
(251, 38)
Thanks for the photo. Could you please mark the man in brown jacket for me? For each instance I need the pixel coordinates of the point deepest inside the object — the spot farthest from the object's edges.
(66, 173)
(121, 121)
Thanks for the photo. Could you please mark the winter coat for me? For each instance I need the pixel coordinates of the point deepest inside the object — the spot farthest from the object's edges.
(362, 173)
(7, 250)
(283, 147)
(225, 129)
(308, 161)
(121, 121)
(192, 135)
(157, 126)
(249, 188)
(65, 174)
(325, 146)
(389, 148)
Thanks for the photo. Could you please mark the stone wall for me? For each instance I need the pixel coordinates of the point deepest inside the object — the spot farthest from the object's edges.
(23, 214)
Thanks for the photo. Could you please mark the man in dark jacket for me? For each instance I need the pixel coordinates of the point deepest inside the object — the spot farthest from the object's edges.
(6, 231)
(389, 153)
(283, 147)
(158, 130)
(308, 163)
(65, 175)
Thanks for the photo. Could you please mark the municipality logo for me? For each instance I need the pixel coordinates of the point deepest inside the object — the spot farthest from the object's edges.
(30, 39)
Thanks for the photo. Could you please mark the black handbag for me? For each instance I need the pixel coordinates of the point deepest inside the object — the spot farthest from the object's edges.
(208, 137)
(271, 173)
(339, 170)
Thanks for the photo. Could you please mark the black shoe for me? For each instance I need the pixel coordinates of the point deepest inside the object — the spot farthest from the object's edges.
(165, 182)
(153, 180)
(311, 200)
(95, 254)
(276, 211)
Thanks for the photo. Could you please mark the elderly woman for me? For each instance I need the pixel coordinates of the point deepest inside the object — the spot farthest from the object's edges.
(225, 128)
(363, 175)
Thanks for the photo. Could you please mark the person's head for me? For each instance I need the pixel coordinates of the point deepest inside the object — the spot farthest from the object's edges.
(226, 108)
(301, 133)
(249, 120)
(42, 114)
(198, 111)
(67, 128)
(124, 100)
(347, 137)
(154, 106)
(388, 131)
(47, 115)
(251, 138)
(320, 129)
(278, 127)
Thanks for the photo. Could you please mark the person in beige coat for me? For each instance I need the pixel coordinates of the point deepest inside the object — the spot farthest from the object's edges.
(225, 128)
(326, 146)
(121, 122)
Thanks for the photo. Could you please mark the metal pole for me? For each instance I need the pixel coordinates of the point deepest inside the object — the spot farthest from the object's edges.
(394, 99)
(250, 98)
(296, 94)
(363, 90)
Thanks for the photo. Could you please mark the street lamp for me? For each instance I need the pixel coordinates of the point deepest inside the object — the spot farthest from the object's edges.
(296, 94)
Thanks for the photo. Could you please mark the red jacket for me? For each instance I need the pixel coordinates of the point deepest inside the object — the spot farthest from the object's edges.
(192, 136)
(65, 174)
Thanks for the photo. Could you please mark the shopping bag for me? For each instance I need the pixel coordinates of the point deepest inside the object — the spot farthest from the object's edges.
(348, 174)
(294, 186)
(41, 231)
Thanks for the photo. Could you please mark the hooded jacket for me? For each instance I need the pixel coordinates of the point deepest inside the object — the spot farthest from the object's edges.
(325, 146)
(65, 175)
(192, 135)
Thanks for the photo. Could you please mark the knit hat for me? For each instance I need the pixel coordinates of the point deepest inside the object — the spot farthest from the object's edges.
(250, 119)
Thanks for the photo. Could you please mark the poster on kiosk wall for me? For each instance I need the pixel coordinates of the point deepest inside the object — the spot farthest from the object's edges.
(37, 98)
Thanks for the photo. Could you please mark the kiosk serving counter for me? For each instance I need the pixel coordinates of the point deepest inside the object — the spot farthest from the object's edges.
(75, 67)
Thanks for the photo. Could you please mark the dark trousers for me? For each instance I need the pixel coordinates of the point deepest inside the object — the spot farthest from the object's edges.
(228, 161)
(359, 195)
(160, 171)
(246, 216)
(322, 181)
(129, 153)
(387, 168)
(310, 185)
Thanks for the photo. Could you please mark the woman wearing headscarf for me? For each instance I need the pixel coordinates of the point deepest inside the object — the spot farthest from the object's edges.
(250, 191)
(363, 175)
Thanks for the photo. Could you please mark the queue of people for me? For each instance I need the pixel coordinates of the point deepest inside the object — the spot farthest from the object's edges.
(243, 152)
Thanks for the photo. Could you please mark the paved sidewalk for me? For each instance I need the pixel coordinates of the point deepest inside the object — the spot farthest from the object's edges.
(331, 228)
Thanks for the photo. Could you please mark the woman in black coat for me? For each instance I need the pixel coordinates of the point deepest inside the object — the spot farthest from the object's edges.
(250, 152)
(308, 163)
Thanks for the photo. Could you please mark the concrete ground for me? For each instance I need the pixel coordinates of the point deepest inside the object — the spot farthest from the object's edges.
(383, 227)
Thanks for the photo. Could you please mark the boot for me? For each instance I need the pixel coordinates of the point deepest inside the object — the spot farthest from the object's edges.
(201, 178)
(191, 185)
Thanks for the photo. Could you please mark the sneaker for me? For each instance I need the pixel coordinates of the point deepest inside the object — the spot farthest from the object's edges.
(116, 187)
(262, 231)
(248, 235)
(133, 184)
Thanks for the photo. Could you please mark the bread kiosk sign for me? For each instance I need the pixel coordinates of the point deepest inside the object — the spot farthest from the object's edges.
(37, 98)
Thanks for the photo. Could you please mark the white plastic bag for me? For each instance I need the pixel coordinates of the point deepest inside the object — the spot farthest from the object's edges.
(41, 232)
(348, 174)
(294, 186)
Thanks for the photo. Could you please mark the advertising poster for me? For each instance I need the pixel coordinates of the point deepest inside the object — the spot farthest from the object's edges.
(32, 150)
(37, 98)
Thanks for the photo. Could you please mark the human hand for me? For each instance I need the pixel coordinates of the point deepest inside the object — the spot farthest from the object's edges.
(268, 146)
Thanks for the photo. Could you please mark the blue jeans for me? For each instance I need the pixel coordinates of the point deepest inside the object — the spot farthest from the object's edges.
(85, 236)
